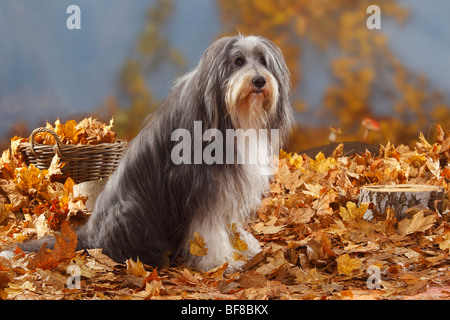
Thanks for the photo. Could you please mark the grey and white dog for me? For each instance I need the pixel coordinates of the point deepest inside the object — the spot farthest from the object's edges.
(158, 198)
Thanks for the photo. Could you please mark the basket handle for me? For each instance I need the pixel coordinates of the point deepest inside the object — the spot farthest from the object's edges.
(50, 131)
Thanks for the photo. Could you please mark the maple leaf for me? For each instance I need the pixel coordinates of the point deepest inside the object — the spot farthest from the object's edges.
(30, 179)
(301, 215)
(198, 245)
(352, 212)
(55, 166)
(346, 265)
(295, 160)
(88, 131)
(95, 132)
(262, 228)
(68, 132)
(322, 163)
(7, 171)
(418, 223)
(64, 250)
(153, 288)
(58, 214)
(136, 268)
(153, 276)
(216, 273)
(273, 263)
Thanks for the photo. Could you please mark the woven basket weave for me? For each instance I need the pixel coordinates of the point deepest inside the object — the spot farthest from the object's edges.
(83, 162)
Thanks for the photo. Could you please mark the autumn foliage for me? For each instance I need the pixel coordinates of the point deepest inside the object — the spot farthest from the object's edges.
(315, 243)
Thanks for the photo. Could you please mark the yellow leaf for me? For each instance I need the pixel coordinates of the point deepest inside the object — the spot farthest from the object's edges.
(236, 241)
(68, 132)
(352, 212)
(30, 177)
(347, 265)
(321, 163)
(68, 187)
(198, 245)
(284, 154)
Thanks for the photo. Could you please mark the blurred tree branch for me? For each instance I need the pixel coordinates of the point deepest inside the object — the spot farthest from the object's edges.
(362, 67)
(136, 100)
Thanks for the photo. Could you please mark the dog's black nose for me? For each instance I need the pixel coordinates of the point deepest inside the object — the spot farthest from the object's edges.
(259, 82)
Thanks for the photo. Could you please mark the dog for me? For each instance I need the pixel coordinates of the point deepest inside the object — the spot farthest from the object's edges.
(164, 192)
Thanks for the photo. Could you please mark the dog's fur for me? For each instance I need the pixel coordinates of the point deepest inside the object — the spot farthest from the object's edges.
(151, 207)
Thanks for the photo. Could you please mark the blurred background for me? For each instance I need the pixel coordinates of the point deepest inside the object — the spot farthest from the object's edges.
(123, 60)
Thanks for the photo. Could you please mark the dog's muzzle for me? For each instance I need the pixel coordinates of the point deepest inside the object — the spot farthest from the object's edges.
(259, 82)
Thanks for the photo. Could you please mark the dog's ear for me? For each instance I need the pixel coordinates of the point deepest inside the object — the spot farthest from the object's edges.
(277, 65)
(283, 118)
(212, 73)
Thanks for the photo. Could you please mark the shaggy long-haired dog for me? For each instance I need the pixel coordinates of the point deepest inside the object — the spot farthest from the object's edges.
(167, 188)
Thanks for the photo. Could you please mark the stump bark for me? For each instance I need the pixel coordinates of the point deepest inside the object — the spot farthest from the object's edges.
(400, 198)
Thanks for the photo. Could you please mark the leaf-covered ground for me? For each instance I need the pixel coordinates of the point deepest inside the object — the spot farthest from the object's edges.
(315, 244)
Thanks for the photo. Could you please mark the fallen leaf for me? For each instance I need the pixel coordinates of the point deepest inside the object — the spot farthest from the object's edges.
(273, 263)
(322, 163)
(252, 279)
(30, 179)
(418, 223)
(347, 265)
(301, 215)
(445, 244)
(136, 268)
(64, 250)
(198, 245)
(260, 227)
(352, 212)
(217, 273)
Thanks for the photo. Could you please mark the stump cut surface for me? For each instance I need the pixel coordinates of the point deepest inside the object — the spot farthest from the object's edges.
(400, 198)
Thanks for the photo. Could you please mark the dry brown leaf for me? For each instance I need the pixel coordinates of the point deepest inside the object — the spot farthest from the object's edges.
(273, 263)
(217, 273)
(136, 268)
(252, 279)
(418, 223)
(301, 215)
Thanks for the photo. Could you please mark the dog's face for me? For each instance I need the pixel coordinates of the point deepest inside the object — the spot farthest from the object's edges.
(252, 78)
(251, 89)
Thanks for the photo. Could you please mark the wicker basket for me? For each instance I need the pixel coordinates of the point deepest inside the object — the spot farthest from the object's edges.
(83, 162)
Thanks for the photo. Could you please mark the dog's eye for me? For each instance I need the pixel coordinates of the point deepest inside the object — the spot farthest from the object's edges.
(262, 61)
(239, 62)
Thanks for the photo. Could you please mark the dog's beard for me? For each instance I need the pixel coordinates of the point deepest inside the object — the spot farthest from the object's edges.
(248, 106)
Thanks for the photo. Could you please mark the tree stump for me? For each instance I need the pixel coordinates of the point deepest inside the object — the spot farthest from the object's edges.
(400, 198)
